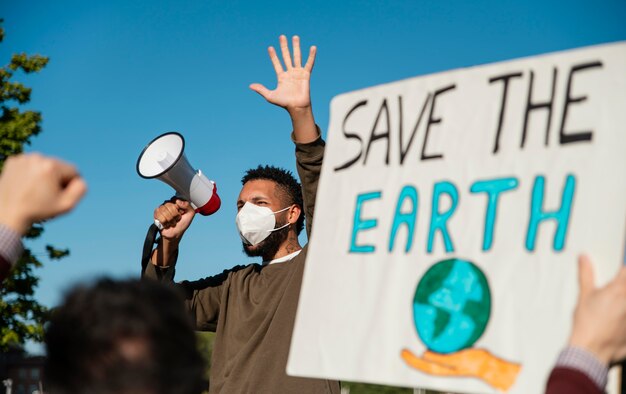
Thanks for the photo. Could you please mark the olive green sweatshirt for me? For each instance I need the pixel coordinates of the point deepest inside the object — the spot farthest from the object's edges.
(252, 309)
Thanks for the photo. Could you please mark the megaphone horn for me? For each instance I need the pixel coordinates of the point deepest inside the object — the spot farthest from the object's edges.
(163, 159)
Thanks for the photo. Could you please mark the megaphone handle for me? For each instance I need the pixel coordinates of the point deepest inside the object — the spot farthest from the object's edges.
(158, 224)
(151, 239)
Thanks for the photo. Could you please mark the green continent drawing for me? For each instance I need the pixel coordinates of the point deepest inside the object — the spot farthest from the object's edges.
(451, 306)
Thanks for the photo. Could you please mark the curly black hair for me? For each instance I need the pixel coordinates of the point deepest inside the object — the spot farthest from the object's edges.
(122, 337)
(287, 184)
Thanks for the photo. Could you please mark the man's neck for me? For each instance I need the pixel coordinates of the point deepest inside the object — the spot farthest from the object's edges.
(289, 246)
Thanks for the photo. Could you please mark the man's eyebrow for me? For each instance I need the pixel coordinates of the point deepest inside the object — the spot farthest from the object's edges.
(253, 199)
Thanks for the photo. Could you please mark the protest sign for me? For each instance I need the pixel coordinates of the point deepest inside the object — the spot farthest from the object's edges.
(450, 214)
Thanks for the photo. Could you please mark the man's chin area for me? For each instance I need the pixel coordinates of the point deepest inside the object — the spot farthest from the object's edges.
(268, 247)
(253, 250)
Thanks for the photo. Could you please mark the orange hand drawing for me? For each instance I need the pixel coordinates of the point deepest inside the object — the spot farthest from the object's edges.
(478, 363)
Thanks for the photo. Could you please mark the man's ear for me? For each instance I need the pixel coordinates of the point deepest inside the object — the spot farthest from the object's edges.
(294, 214)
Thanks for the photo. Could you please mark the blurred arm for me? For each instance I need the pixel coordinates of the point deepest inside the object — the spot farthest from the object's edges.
(33, 188)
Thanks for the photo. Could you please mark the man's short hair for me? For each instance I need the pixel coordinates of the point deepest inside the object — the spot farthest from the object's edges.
(287, 184)
(122, 337)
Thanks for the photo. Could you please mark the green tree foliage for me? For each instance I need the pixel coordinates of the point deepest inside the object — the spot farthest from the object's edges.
(21, 316)
(364, 388)
(205, 346)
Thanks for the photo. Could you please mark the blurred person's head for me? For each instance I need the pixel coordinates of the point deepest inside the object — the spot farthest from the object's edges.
(122, 337)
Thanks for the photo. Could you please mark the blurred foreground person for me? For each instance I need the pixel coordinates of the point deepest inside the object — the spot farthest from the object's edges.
(122, 337)
(33, 188)
(598, 338)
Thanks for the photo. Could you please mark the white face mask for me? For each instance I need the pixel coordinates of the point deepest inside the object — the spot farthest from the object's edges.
(256, 223)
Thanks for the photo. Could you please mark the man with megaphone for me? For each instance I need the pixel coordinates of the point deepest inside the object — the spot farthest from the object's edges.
(252, 308)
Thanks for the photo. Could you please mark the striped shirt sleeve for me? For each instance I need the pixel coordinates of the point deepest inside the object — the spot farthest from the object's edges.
(10, 249)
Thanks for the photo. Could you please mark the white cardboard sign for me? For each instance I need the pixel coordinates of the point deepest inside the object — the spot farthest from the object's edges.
(450, 214)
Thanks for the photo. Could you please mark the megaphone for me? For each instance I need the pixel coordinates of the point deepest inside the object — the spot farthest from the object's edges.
(164, 160)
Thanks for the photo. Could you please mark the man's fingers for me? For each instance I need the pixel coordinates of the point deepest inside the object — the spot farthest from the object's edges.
(71, 195)
(159, 215)
(619, 282)
(284, 48)
(621, 274)
(586, 281)
(297, 56)
(311, 60)
(166, 221)
(171, 211)
(184, 206)
(65, 171)
(260, 89)
(275, 62)
(167, 214)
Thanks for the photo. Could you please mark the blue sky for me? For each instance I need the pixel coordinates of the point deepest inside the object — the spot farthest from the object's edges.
(124, 71)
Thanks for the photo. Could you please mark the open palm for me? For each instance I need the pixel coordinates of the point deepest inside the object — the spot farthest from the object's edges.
(292, 91)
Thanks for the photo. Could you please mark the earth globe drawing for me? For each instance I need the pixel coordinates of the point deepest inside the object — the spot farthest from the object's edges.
(452, 305)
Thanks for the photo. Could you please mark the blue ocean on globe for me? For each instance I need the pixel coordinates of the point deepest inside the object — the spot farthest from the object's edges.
(451, 306)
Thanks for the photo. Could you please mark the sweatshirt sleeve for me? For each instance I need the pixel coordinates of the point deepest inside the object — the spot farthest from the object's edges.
(577, 372)
(309, 159)
(202, 297)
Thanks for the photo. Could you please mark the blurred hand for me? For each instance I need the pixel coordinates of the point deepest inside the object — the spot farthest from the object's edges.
(600, 315)
(175, 215)
(34, 188)
(293, 89)
(478, 363)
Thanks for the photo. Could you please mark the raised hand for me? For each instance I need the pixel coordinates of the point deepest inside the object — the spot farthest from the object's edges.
(600, 315)
(34, 187)
(292, 90)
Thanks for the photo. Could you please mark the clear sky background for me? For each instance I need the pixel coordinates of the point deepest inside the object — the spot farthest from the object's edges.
(122, 72)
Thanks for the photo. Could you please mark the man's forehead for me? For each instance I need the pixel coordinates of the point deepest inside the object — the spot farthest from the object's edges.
(259, 188)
